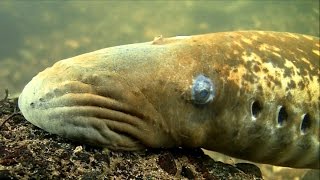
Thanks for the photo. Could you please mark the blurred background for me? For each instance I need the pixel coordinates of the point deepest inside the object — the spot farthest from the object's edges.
(35, 34)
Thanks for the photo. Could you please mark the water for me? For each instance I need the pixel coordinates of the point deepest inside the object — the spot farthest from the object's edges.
(34, 35)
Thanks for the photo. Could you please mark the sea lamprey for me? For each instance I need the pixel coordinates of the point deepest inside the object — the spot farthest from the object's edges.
(251, 94)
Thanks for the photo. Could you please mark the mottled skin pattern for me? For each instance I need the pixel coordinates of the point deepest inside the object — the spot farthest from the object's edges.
(136, 96)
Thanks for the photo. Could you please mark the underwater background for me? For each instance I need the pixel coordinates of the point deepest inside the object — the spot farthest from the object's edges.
(36, 34)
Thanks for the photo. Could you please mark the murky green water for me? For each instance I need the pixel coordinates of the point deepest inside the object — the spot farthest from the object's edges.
(34, 35)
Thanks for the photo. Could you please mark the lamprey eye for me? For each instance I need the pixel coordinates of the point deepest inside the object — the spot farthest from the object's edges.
(203, 90)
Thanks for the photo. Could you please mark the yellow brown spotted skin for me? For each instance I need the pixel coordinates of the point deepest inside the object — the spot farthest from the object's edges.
(249, 94)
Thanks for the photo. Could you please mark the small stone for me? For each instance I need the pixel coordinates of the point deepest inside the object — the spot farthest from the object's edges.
(249, 169)
(167, 163)
(187, 172)
(77, 149)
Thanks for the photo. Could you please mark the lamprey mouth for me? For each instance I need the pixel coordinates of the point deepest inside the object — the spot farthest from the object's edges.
(92, 105)
(89, 112)
(114, 114)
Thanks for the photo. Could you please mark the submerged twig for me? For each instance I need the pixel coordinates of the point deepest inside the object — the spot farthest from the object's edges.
(11, 116)
(6, 95)
(14, 110)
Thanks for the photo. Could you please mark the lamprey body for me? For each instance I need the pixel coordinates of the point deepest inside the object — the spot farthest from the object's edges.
(253, 95)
